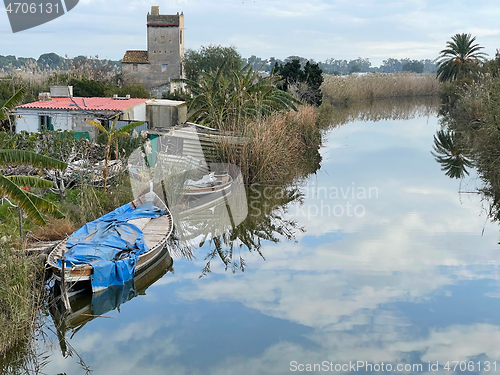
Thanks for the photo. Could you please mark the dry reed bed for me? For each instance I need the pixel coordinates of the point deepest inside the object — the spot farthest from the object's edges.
(346, 89)
(275, 146)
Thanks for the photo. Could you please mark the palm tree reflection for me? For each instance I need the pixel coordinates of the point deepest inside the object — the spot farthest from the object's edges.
(448, 152)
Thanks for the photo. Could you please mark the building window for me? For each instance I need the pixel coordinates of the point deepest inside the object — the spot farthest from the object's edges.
(46, 123)
(180, 38)
(135, 67)
(164, 68)
(163, 39)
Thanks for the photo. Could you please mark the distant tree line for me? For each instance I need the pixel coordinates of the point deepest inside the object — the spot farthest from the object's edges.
(343, 67)
(52, 61)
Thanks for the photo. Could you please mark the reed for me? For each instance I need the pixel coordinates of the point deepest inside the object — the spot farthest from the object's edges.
(342, 90)
(275, 147)
(20, 297)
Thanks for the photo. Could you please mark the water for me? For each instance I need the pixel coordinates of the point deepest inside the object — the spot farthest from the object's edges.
(405, 271)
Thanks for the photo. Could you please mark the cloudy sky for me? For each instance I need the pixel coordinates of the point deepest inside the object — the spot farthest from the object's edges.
(318, 29)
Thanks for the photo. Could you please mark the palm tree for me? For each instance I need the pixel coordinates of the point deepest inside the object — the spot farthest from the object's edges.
(112, 134)
(12, 103)
(10, 186)
(459, 58)
(224, 100)
(450, 155)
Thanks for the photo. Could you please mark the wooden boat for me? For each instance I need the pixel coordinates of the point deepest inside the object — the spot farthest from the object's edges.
(218, 183)
(156, 232)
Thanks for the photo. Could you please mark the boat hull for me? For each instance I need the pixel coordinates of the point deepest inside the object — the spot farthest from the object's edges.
(156, 233)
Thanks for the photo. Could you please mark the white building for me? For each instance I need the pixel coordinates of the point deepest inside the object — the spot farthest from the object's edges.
(59, 110)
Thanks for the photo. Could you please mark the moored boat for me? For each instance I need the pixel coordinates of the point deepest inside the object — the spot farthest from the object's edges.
(210, 183)
(114, 248)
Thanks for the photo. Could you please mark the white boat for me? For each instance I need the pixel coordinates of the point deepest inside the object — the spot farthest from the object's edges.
(210, 183)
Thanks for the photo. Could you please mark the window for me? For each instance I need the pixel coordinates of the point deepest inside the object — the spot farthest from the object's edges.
(135, 67)
(180, 37)
(46, 123)
(163, 39)
(164, 68)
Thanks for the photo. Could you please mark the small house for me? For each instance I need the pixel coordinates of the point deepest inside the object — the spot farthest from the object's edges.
(59, 110)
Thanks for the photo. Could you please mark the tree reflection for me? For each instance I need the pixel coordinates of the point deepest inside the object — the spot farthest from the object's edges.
(265, 222)
(448, 152)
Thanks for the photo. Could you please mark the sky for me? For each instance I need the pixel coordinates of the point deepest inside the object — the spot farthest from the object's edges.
(315, 29)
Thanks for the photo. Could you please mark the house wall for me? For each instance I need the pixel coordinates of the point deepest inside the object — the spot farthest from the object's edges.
(136, 73)
(29, 121)
(162, 116)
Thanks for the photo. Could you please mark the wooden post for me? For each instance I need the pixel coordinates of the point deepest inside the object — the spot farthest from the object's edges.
(20, 223)
(64, 294)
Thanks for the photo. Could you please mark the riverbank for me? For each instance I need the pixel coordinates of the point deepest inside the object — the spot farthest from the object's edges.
(21, 295)
(344, 90)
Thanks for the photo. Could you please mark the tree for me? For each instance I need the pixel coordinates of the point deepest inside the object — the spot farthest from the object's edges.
(10, 186)
(460, 58)
(10, 104)
(225, 101)
(414, 66)
(112, 134)
(209, 59)
(305, 82)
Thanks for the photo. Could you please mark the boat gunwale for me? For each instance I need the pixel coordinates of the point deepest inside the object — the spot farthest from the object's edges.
(83, 272)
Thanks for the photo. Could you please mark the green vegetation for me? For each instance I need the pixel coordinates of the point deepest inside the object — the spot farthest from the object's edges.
(305, 83)
(20, 296)
(210, 59)
(227, 101)
(111, 135)
(10, 186)
(460, 59)
(471, 116)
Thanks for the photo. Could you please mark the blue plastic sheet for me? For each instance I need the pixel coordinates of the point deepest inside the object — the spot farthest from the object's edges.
(102, 242)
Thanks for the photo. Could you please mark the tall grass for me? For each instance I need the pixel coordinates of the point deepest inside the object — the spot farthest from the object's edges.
(20, 297)
(275, 148)
(346, 89)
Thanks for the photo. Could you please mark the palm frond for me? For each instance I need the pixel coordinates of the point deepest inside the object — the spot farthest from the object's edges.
(45, 205)
(12, 103)
(11, 190)
(129, 127)
(30, 157)
(30, 181)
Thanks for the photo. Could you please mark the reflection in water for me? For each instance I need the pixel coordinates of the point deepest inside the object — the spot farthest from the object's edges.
(87, 306)
(265, 222)
(395, 109)
(411, 282)
(450, 155)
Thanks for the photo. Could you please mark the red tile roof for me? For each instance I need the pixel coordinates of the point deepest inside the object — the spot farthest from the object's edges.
(137, 57)
(86, 104)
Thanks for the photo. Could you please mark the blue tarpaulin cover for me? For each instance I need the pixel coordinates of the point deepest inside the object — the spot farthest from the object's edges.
(101, 242)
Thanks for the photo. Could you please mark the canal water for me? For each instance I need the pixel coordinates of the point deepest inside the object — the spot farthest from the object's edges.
(378, 260)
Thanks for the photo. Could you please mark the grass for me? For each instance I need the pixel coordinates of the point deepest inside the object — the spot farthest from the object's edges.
(343, 90)
(20, 296)
(276, 147)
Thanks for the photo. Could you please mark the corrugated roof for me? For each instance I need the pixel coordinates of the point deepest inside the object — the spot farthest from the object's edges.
(87, 104)
(136, 57)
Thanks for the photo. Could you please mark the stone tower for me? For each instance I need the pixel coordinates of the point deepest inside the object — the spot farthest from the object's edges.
(162, 62)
